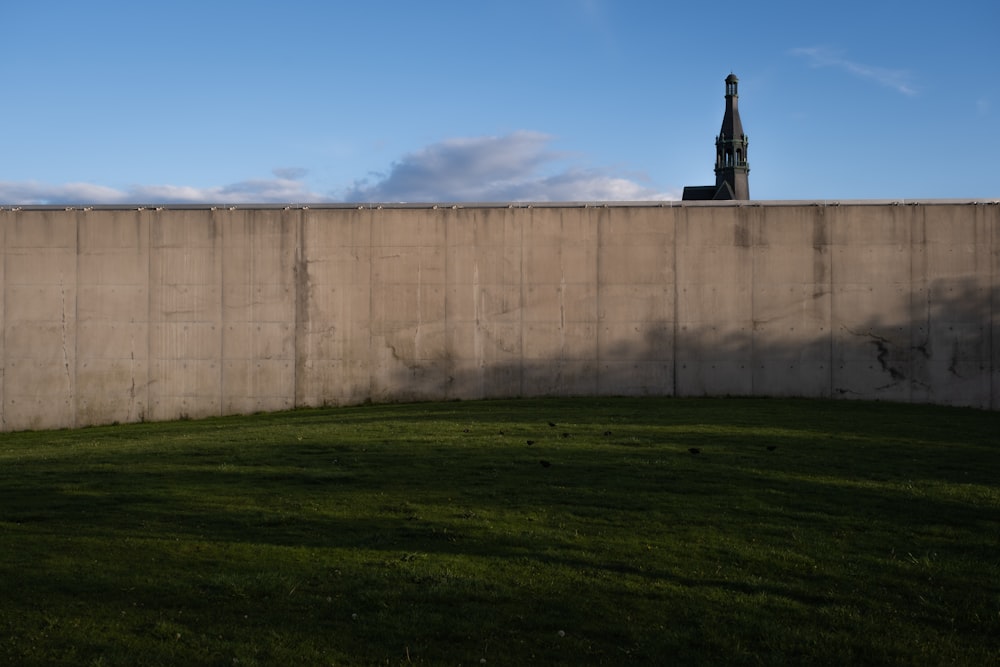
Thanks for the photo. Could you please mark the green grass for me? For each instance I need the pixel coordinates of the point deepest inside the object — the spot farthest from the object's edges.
(432, 534)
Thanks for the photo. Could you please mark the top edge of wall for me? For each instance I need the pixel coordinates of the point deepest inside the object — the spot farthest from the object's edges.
(518, 205)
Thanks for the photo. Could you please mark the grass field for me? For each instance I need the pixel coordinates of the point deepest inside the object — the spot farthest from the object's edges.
(633, 531)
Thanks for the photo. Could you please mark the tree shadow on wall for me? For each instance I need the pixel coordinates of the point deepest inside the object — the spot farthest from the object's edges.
(945, 349)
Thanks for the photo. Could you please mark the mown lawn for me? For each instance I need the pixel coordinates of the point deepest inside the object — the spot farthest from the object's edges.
(633, 531)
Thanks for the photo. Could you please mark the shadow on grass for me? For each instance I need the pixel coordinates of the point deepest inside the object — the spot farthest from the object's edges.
(441, 534)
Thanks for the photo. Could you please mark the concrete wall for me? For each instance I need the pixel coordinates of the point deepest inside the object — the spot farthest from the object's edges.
(116, 314)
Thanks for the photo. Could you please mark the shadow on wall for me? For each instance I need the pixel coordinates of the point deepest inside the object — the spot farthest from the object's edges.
(947, 352)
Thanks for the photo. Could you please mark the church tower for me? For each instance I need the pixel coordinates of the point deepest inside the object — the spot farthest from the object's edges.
(731, 166)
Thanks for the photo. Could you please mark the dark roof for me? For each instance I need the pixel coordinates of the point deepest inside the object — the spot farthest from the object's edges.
(725, 191)
(699, 192)
(708, 192)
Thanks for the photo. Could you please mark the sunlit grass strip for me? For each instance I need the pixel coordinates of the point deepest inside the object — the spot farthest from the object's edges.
(660, 531)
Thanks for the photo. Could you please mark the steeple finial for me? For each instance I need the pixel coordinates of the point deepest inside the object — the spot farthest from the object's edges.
(731, 84)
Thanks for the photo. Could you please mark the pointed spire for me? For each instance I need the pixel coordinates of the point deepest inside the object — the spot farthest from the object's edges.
(731, 125)
(731, 164)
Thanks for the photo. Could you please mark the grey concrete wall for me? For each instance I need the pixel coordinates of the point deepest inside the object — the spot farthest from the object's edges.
(116, 314)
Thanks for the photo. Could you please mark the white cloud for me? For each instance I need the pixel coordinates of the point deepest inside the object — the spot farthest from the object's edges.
(30, 192)
(896, 79)
(290, 173)
(284, 188)
(489, 169)
(515, 167)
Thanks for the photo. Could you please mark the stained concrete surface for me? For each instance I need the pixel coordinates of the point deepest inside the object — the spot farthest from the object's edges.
(127, 314)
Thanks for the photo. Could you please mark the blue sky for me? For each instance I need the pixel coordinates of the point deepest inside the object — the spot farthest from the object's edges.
(548, 100)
